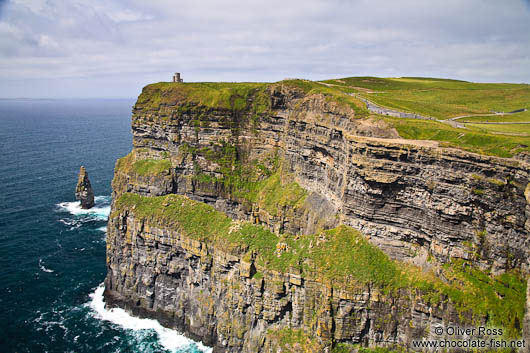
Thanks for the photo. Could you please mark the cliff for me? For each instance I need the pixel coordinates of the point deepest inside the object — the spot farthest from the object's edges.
(255, 217)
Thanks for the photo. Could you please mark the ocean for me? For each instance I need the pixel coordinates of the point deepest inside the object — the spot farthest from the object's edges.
(52, 253)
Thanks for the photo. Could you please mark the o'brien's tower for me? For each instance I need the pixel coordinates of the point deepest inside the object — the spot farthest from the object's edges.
(176, 77)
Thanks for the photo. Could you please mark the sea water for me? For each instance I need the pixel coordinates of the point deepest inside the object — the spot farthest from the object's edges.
(52, 252)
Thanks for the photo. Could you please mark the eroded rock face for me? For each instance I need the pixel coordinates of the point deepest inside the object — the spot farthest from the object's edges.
(411, 198)
(214, 295)
(83, 190)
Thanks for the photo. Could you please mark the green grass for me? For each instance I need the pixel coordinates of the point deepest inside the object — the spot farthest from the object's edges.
(515, 129)
(219, 95)
(473, 140)
(151, 166)
(501, 297)
(337, 94)
(436, 97)
(263, 182)
(145, 167)
(194, 219)
(286, 338)
(440, 98)
(517, 117)
(343, 253)
(253, 98)
(278, 191)
(341, 256)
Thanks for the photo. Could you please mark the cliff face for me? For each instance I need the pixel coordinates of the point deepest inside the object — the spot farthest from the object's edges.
(227, 300)
(302, 165)
(406, 195)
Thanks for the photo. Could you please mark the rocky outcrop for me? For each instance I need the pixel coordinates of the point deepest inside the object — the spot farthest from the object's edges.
(83, 190)
(420, 203)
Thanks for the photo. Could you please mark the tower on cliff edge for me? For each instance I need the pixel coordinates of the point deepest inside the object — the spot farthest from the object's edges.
(176, 77)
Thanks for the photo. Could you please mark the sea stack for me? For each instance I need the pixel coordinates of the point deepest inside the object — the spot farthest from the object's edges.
(83, 190)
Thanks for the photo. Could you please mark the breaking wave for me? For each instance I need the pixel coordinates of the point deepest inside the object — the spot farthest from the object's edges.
(169, 339)
(43, 268)
(99, 212)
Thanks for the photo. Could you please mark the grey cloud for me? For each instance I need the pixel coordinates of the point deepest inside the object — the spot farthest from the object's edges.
(133, 43)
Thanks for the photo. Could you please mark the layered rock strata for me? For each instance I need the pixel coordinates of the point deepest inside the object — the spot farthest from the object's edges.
(418, 202)
(410, 197)
(215, 296)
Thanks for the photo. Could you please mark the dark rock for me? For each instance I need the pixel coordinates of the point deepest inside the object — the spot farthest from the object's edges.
(83, 190)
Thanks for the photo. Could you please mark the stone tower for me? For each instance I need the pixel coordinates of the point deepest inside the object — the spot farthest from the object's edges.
(176, 77)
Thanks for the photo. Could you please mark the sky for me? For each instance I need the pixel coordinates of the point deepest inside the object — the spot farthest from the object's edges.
(112, 48)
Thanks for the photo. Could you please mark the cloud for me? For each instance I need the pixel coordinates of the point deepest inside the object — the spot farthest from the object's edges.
(125, 45)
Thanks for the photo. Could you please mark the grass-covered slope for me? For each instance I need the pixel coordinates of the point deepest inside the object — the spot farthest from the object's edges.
(516, 117)
(341, 256)
(239, 97)
(476, 138)
(440, 98)
(217, 95)
(145, 167)
(263, 182)
(444, 99)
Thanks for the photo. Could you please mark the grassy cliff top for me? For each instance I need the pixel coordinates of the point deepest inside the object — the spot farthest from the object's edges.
(493, 140)
(240, 96)
(219, 95)
(341, 256)
(440, 98)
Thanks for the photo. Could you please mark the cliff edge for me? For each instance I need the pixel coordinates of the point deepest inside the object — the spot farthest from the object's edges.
(258, 217)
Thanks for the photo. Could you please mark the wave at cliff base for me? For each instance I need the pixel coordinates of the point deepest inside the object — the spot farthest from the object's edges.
(169, 339)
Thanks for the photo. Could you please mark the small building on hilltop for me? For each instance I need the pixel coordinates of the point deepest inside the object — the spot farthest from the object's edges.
(176, 77)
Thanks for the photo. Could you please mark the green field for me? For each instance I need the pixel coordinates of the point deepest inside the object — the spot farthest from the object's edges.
(439, 98)
(508, 129)
(444, 99)
(477, 138)
(517, 117)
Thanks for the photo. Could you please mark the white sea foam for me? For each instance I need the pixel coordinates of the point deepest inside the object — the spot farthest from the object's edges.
(102, 229)
(73, 224)
(44, 269)
(169, 339)
(100, 211)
